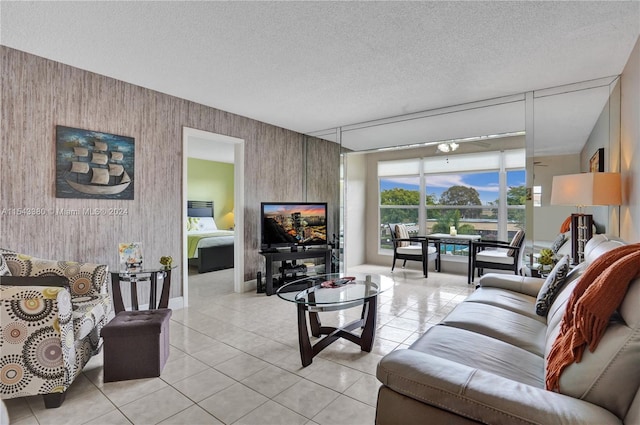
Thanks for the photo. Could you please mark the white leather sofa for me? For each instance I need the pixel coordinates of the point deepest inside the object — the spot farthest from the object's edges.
(486, 361)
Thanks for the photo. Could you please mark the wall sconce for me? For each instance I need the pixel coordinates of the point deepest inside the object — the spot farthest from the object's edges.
(582, 190)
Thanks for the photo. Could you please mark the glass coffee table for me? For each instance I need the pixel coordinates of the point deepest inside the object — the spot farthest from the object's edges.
(331, 292)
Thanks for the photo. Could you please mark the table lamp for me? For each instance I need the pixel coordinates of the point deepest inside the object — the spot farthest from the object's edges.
(582, 190)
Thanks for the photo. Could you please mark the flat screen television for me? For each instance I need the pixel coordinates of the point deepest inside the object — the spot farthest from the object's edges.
(292, 224)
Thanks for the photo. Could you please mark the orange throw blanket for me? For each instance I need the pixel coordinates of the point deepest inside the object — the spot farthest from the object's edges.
(597, 295)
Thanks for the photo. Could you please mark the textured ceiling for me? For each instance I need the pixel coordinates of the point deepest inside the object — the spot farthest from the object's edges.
(309, 66)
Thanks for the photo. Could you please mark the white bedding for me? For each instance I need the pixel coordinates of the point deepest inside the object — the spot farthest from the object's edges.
(209, 239)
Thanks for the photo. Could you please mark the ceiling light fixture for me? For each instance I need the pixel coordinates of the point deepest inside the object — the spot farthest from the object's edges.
(448, 147)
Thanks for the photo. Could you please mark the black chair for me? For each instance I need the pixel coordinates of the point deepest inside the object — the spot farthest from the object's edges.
(498, 255)
(413, 248)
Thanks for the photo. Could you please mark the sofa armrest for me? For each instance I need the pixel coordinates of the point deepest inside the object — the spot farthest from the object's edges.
(479, 395)
(55, 300)
(523, 284)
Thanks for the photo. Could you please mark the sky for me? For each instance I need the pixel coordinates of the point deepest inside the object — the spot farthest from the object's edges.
(485, 183)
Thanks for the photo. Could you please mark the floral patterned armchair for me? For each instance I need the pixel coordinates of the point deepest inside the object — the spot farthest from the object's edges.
(51, 315)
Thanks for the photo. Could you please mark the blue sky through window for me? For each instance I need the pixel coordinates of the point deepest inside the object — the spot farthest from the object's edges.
(485, 183)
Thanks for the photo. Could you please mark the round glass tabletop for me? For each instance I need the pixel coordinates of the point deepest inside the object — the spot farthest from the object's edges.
(334, 289)
(141, 270)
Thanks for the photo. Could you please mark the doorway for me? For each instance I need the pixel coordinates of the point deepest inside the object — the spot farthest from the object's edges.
(233, 149)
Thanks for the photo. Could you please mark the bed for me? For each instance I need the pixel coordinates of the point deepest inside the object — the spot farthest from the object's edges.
(208, 248)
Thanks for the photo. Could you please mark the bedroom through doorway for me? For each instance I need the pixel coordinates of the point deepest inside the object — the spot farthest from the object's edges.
(212, 209)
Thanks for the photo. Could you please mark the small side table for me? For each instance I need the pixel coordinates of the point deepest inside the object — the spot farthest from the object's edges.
(141, 275)
(443, 238)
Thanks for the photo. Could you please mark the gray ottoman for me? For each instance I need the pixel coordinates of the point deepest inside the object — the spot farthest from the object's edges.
(136, 344)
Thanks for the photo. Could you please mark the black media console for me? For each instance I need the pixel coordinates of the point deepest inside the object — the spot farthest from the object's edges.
(290, 271)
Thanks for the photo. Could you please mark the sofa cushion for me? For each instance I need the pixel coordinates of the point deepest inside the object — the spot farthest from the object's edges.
(88, 312)
(552, 286)
(415, 250)
(482, 352)
(402, 233)
(522, 331)
(500, 256)
(509, 300)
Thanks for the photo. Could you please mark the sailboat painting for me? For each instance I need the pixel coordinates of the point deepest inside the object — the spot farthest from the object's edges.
(93, 165)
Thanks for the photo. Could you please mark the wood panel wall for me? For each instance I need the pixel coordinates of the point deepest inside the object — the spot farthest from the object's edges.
(323, 178)
(38, 94)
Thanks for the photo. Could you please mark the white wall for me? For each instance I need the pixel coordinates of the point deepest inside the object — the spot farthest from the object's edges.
(547, 218)
(605, 134)
(630, 147)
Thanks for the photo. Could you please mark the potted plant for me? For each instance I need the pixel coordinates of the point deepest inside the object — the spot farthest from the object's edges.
(167, 262)
(546, 260)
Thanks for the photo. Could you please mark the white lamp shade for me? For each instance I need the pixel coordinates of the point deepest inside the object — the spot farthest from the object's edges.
(586, 189)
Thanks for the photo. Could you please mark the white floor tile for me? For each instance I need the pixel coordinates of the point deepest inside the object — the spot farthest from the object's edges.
(195, 415)
(204, 384)
(306, 398)
(271, 381)
(231, 404)
(365, 390)
(241, 366)
(228, 366)
(272, 413)
(114, 417)
(156, 407)
(346, 411)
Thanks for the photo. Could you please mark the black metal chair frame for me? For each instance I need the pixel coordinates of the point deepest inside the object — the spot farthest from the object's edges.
(424, 242)
(477, 246)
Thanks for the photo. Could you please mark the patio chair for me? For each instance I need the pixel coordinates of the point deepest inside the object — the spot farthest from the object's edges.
(498, 255)
(411, 248)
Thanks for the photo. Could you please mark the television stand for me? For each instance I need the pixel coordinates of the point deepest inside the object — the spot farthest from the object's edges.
(284, 256)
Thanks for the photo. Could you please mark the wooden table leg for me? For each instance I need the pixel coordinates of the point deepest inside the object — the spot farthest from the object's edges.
(118, 303)
(306, 351)
(369, 330)
(153, 287)
(314, 322)
(166, 286)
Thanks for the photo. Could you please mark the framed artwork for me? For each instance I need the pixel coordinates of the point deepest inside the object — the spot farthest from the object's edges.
(130, 255)
(93, 165)
(596, 163)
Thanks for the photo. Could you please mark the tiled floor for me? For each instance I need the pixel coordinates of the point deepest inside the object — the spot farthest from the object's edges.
(235, 360)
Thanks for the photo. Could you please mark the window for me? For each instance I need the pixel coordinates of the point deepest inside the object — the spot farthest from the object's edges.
(537, 196)
(481, 193)
(399, 203)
